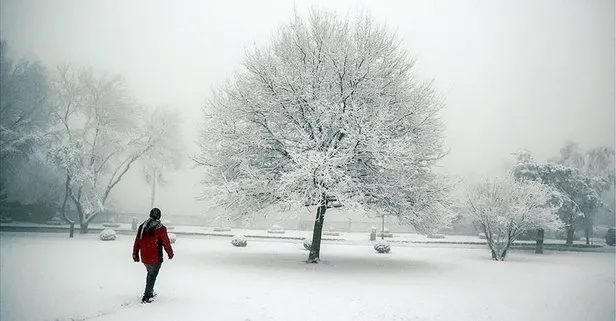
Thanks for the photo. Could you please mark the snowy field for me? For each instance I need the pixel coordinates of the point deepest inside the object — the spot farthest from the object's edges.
(49, 277)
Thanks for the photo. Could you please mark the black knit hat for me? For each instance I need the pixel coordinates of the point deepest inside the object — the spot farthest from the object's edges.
(155, 213)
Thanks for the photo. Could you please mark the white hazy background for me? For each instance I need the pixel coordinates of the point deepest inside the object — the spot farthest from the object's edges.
(515, 74)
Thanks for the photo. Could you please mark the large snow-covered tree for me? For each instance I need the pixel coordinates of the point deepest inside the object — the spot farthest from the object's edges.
(506, 207)
(579, 193)
(101, 132)
(329, 112)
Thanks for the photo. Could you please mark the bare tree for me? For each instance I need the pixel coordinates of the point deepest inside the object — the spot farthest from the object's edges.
(505, 208)
(329, 112)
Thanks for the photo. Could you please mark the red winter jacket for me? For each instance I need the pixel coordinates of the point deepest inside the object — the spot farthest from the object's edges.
(150, 240)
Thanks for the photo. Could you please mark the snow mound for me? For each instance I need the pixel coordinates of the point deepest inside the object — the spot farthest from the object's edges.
(382, 246)
(307, 244)
(172, 237)
(239, 241)
(108, 235)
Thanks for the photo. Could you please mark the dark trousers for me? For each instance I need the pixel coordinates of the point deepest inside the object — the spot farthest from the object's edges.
(150, 279)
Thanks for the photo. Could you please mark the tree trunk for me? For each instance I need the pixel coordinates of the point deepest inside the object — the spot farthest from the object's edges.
(494, 257)
(570, 234)
(587, 229)
(539, 246)
(83, 227)
(504, 254)
(383, 227)
(64, 215)
(153, 192)
(315, 248)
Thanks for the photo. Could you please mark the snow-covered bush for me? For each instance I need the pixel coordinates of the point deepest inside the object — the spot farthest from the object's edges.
(172, 237)
(108, 235)
(307, 243)
(331, 232)
(168, 225)
(55, 221)
(382, 246)
(610, 237)
(239, 241)
(221, 229)
(114, 225)
(436, 236)
(275, 229)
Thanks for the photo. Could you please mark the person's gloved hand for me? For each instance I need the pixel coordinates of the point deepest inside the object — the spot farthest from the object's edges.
(171, 256)
(136, 257)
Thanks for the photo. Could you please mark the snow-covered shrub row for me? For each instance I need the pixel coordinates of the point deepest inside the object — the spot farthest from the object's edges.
(172, 237)
(168, 225)
(239, 241)
(108, 235)
(307, 243)
(222, 229)
(382, 246)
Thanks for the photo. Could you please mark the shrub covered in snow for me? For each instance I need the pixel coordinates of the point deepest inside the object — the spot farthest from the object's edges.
(114, 225)
(222, 229)
(107, 235)
(239, 241)
(275, 229)
(610, 237)
(382, 246)
(307, 243)
(55, 221)
(331, 232)
(436, 236)
(172, 238)
(168, 225)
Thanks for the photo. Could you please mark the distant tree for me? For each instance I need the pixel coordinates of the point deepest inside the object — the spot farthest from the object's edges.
(25, 116)
(168, 154)
(329, 112)
(505, 208)
(578, 192)
(599, 165)
(100, 133)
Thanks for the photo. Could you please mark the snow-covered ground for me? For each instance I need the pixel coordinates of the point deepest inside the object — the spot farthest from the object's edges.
(49, 277)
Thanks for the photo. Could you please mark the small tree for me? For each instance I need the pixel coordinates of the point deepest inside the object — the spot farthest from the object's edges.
(505, 208)
(330, 111)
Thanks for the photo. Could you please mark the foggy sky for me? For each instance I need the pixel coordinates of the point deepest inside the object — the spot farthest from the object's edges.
(516, 74)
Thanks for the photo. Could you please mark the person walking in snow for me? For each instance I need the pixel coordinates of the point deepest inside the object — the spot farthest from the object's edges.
(151, 239)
